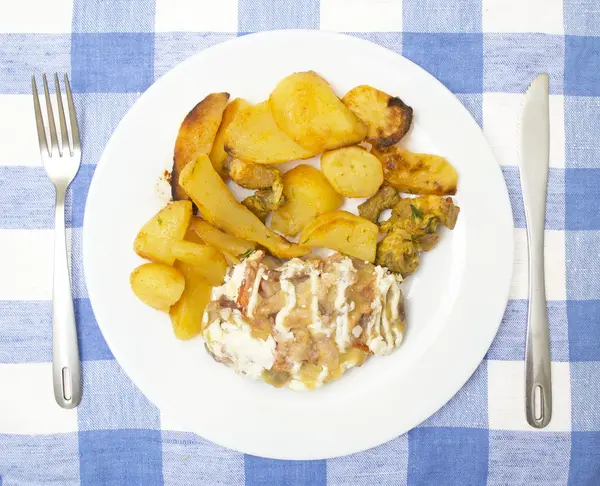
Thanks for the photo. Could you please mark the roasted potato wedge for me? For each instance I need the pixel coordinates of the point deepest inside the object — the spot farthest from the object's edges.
(157, 285)
(209, 262)
(254, 136)
(196, 136)
(417, 173)
(218, 156)
(386, 198)
(153, 242)
(352, 171)
(218, 205)
(305, 107)
(308, 194)
(229, 245)
(187, 314)
(388, 119)
(344, 232)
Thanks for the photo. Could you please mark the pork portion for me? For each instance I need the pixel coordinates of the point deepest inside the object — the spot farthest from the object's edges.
(303, 323)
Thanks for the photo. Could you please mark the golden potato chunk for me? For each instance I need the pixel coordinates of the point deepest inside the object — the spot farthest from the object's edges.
(218, 156)
(153, 242)
(157, 285)
(305, 107)
(308, 194)
(254, 136)
(417, 173)
(233, 248)
(187, 314)
(344, 232)
(209, 262)
(196, 136)
(218, 205)
(387, 117)
(352, 171)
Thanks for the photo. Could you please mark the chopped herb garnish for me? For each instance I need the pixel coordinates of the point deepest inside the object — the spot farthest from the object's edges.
(416, 212)
(246, 254)
(159, 221)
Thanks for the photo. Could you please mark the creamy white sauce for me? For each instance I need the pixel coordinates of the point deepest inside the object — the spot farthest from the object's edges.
(233, 341)
(317, 324)
(233, 281)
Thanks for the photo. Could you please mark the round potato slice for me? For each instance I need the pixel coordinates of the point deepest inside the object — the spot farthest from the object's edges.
(158, 285)
(352, 171)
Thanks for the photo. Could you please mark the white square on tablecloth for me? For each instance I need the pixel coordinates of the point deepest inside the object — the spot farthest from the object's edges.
(545, 16)
(361, 15)
(501, 121)
(19, 146)
(26, 255)
(506, 396)
(196, 16)
(554, 256)
(36, 16)
(28, 405)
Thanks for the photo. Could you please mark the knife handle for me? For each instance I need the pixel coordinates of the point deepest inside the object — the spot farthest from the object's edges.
(538, 383)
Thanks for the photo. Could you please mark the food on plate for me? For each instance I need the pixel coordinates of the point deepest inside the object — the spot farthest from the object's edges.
(254, 136)
(303, 323)
(305, 107)
(153, 242)
(187, 313)
(344, 232)
(228, 277)
(217, 204)
(265, 179)
(352, 171)
(218, 156)
(196, 136)
(387, 117)
(307, 194)
(411, 229)
(386, 198)
(232, 247)
(209, 262)
(157, 285)
(417, 173)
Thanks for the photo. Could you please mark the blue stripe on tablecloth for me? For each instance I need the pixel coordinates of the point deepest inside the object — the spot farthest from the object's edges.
(190, 459)
(120, 457)
(509, 343)
(28, 197)
(582, 58)
(583, 188)
(262, 472)
(582, 250)
(585, 390)
(22, 55)
(583, 316)
(582, 132)
(448, 455)
(585, 459)
(257, 15)
(25, 331)
(113, 16)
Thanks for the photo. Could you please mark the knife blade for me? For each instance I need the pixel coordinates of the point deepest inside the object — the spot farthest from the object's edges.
(535, 154)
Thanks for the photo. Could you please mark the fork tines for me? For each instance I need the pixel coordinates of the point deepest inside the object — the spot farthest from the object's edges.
(72, 143)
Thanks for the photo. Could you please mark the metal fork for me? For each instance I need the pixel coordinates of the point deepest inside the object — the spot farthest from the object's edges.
(61, 162)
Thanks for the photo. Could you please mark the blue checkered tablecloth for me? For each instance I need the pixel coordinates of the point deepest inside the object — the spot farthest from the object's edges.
(485, 51)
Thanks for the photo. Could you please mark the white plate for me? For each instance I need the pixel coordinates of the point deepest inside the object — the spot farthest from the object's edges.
(455, 301)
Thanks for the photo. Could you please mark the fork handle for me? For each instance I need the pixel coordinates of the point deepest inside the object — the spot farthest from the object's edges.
(66, 372)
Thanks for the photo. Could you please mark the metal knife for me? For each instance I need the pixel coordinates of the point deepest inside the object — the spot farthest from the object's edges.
(535, 151)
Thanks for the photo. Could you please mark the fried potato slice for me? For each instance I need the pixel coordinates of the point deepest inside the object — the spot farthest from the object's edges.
(254, 136)
(308, 194)
(196, 136)
(232, 247)
(209, 261)
(352, 171)
(187, 313)
(218, 205)
(305, 107)
(157, 285)
(385, 198)
(417, 173)
(387, 117)
(153, 242)
(218, 156)
(344, 232)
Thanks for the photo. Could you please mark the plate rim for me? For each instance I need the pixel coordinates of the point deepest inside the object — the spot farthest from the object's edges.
(506, 215)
